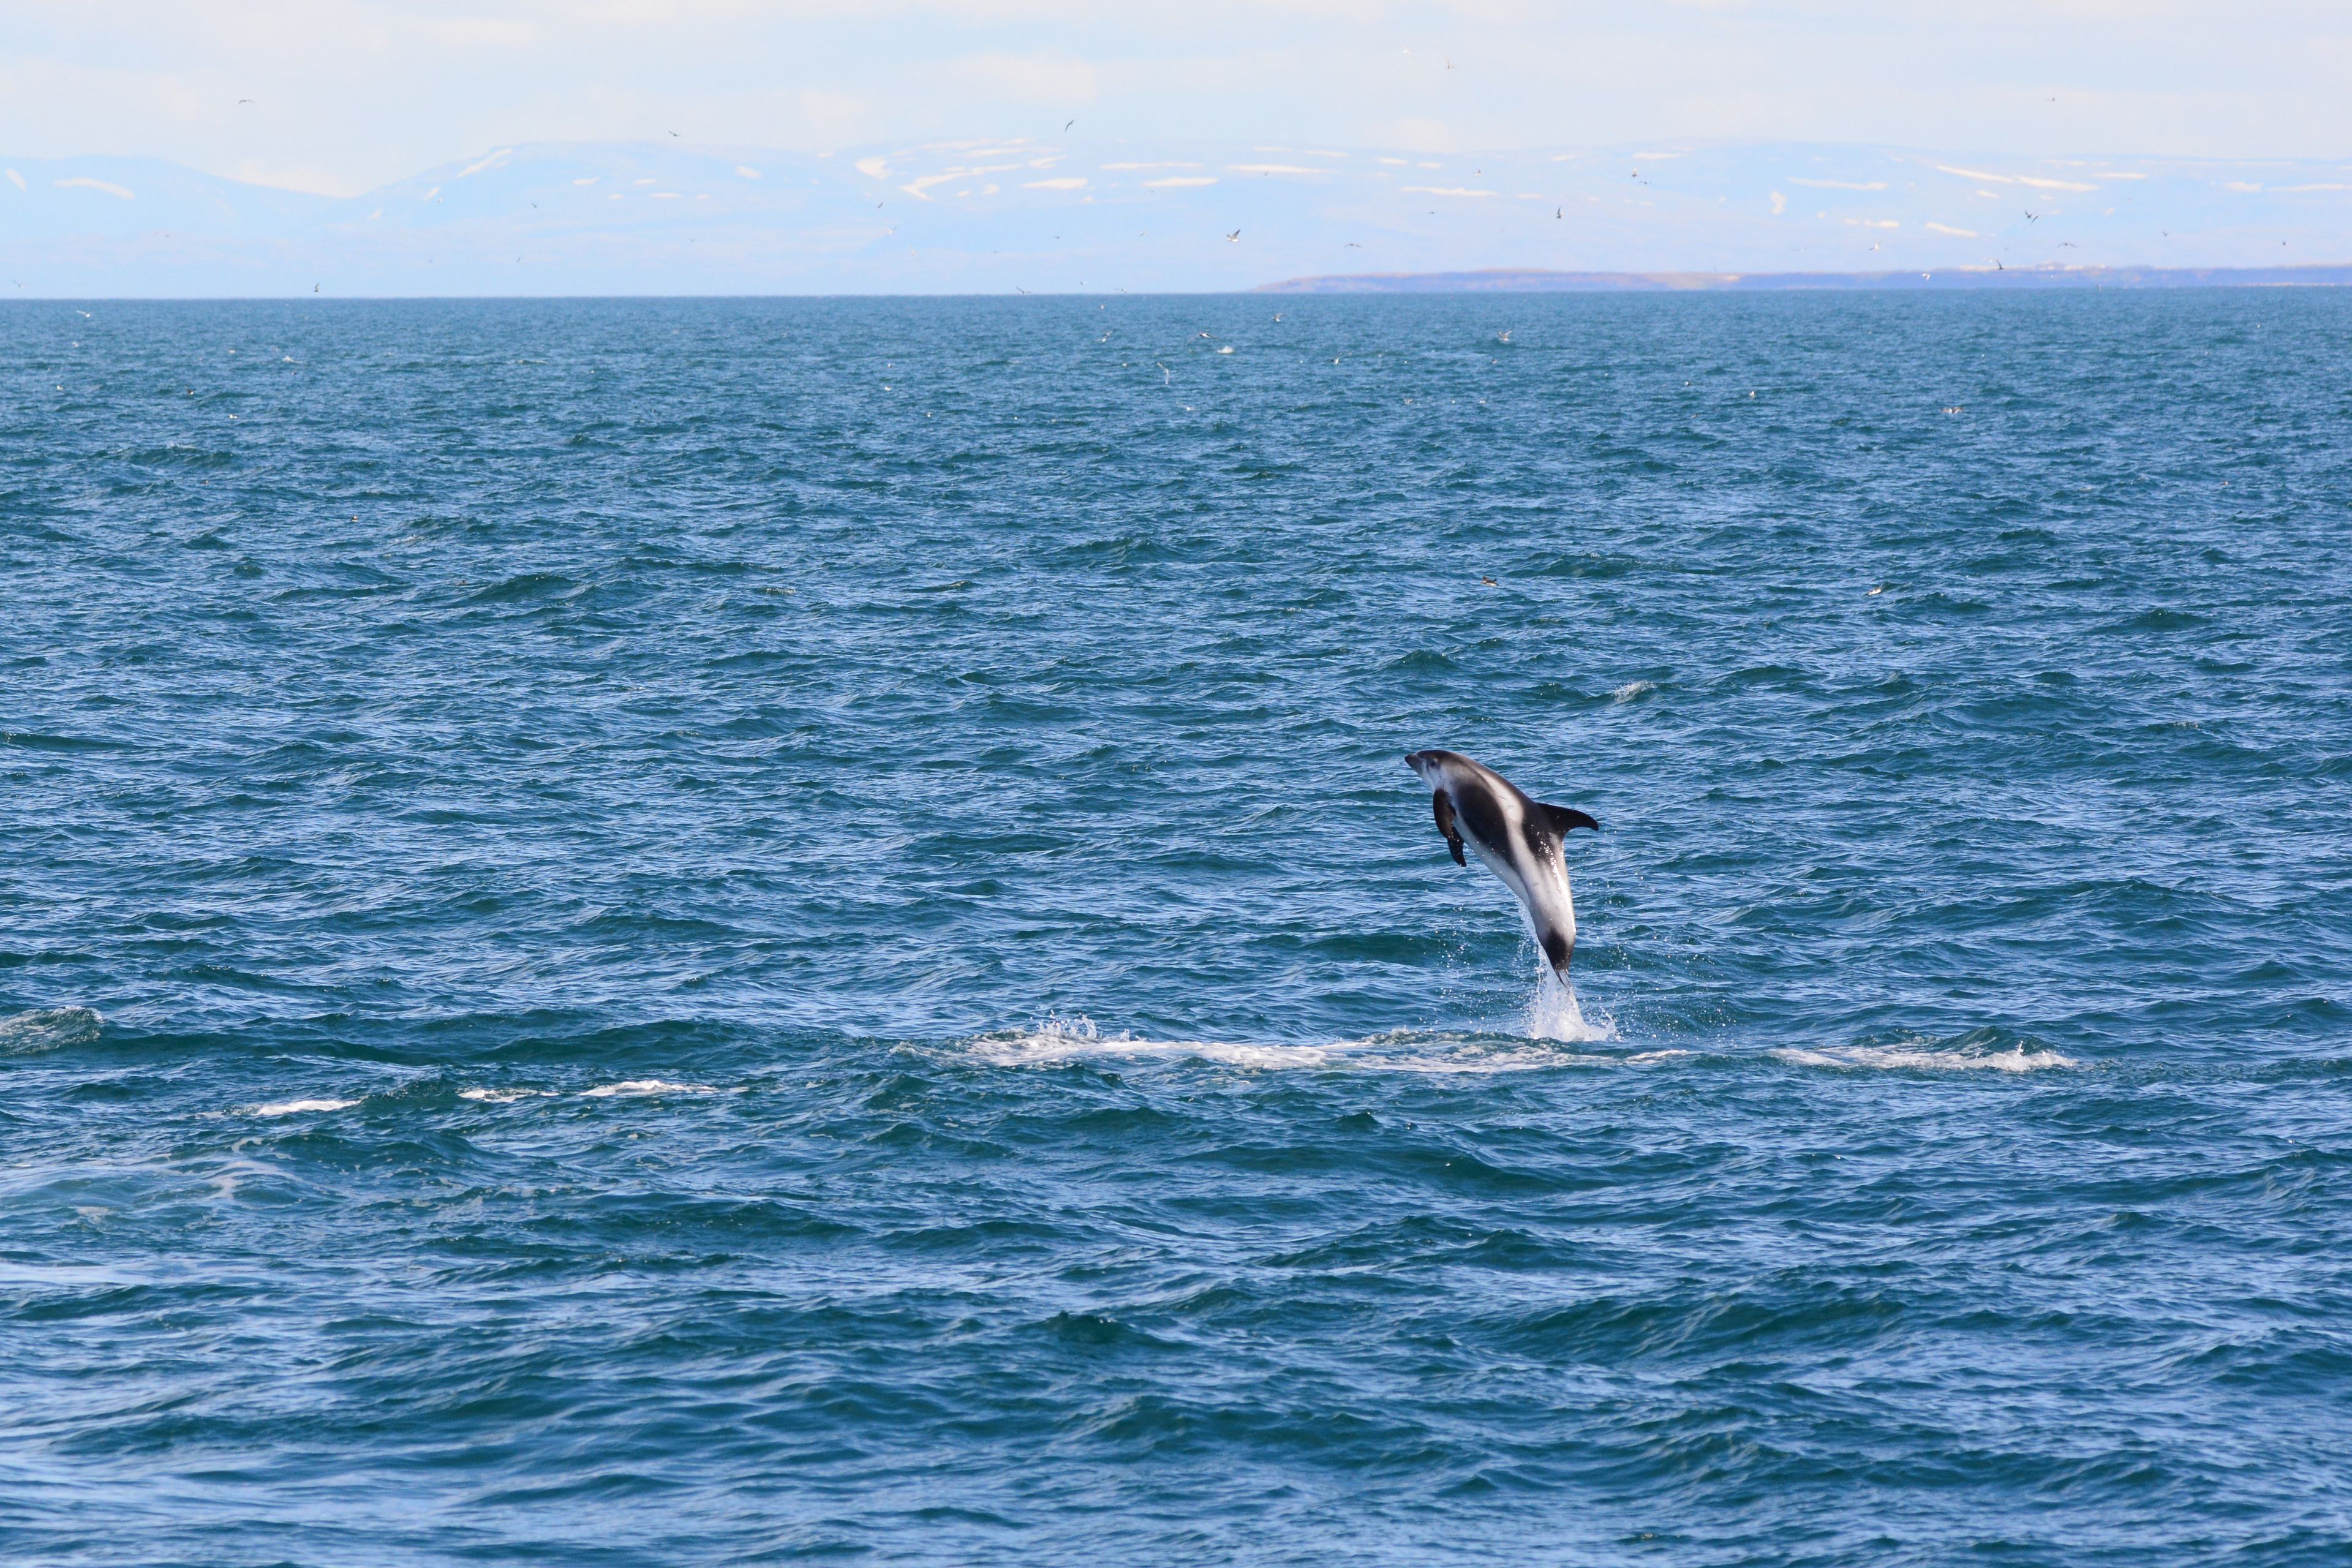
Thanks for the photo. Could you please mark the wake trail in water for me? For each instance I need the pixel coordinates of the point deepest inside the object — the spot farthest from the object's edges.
(1061, 1040)
(1552, 1018)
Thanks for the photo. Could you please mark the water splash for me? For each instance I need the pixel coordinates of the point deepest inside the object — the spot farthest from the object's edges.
(1554, 1013)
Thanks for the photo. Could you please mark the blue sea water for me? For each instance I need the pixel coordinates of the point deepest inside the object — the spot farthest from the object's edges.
(723, 931)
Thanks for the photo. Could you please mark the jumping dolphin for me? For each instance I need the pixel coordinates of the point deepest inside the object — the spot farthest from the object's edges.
(1517, 838)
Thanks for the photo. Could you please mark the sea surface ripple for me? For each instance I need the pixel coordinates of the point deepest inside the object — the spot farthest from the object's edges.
(718, 932)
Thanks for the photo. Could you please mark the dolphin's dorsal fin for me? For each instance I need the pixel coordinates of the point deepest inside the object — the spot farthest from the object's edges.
(1443, 807)
(1563, 817)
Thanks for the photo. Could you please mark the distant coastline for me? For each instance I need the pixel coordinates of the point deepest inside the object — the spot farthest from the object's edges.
(1534, 281)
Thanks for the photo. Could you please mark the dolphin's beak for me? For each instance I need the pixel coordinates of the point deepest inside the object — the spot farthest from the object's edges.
(1414, 762)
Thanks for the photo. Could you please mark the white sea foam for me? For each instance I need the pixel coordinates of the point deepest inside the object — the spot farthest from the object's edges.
(502, 1096)
(46, 1028)
(1631, 689)
(1918, 1056)
(646, 1085)
(1059, 1040)
(291, 1106)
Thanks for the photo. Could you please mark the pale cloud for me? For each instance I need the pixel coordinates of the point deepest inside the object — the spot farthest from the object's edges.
(368, 91)
(1068, 182)
(1448, 191)
(84, 182)
(1176, 181)
(1947, 228)
(1838, 184)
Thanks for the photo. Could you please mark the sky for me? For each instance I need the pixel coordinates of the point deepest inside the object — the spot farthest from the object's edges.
(344, 96)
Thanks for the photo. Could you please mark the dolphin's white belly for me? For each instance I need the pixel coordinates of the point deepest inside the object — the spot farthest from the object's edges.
(1541, 890)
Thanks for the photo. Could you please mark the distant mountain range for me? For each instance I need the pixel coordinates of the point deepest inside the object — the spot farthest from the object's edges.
(2050, 275)
(994, 217)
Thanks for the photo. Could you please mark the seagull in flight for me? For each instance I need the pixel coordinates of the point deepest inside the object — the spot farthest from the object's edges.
(243, 100)
(2033, 218)
(1066, 126)
(1235, 237)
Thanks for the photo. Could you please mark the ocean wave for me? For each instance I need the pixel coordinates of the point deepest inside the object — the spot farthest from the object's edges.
(1922, 1056)
(46, 1028)
(293, 1107)
(649, 1085)
(1060, 1040)
(503, 1096)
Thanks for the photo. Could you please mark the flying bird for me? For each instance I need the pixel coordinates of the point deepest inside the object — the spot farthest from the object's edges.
(244, 100)
(1235, 237)
(2033, 218)
(1066, 126)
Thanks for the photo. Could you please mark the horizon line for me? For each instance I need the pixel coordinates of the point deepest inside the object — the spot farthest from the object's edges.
(1481, 280)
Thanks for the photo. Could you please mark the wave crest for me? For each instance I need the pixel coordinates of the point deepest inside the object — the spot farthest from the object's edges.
(1059, 1040)
(46, 1028)
(1923, 1056)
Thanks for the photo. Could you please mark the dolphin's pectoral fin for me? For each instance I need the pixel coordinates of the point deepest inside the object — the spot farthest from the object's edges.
(1563, 817)
(1444, 810)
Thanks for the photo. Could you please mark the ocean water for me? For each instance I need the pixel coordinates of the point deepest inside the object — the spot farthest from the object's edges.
(727, 932)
